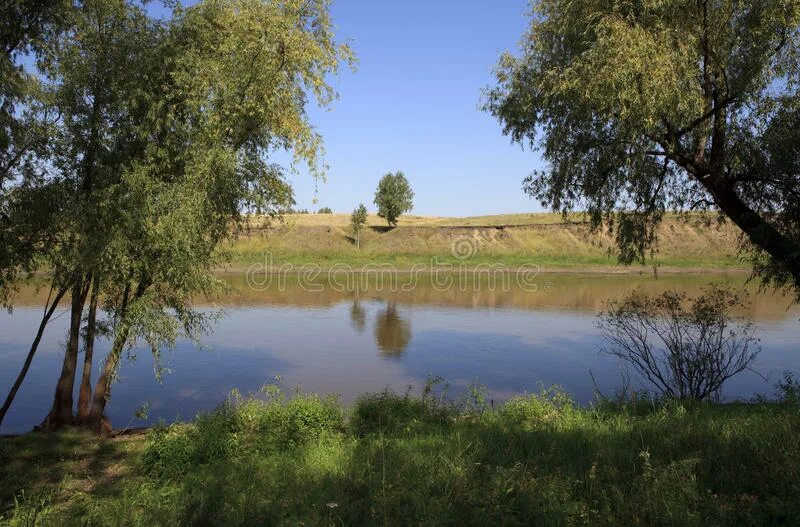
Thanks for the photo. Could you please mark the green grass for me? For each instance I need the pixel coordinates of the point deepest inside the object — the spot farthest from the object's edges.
(244, 258)
(406, 460)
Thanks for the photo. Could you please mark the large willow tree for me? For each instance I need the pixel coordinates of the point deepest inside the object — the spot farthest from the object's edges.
(160, 133)
(640, 106)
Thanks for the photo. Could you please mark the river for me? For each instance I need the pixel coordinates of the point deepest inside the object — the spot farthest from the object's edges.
(351, 338)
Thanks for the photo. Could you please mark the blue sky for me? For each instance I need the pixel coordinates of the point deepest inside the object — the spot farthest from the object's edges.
(413, 105)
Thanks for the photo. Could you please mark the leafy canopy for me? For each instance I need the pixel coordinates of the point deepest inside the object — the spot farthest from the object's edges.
(358, 218)
(357, 221)
(159, 135)
(640, 106)
(393, 197)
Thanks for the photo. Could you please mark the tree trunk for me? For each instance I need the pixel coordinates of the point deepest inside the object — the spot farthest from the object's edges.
(759, 231)
(61, 413)
(96, 418)
(49, 310)
(85, 394)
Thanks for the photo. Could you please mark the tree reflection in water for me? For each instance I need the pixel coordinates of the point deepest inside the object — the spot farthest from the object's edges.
(358, 316)
(392, 332)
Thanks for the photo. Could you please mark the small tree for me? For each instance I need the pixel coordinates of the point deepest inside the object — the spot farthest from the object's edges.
(684, 347)
(357, 221)
(325, 210)
(393, 197)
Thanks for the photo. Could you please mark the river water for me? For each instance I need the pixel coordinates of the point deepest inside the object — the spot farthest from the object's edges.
(360, 337)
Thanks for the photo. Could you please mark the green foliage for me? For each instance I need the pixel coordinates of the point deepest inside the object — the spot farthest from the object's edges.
(389, 413)
(357, 221)
(533, 411)
(240, 426)
(25, 27)
(404, 459)
(393, 197)
(639, 107)
(789, 389)
(159, 134)
(325, 210)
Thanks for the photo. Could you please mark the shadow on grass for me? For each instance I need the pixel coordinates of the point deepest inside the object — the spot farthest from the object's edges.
(537, 461)
(39, 464)
(401, 460)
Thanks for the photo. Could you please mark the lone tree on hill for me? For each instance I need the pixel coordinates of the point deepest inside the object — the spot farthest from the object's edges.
(357, 221)
(639, 107)
(393, 197)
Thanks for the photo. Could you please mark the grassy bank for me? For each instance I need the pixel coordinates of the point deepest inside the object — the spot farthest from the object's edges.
(404, 460)
(514, 240)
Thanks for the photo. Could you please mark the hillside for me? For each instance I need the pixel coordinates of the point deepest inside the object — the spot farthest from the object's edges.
(517, 239)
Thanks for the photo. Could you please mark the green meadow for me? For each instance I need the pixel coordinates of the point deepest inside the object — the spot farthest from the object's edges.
(403, 459)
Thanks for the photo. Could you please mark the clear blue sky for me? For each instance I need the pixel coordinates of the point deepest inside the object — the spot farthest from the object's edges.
(413, 105)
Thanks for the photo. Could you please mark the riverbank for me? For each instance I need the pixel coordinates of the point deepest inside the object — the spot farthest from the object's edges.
(512, 240)
(400, 460)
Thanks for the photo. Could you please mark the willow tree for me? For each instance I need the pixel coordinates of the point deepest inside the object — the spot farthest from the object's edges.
(162, 146)
(24, 26)
(30, 221)
(643, 106)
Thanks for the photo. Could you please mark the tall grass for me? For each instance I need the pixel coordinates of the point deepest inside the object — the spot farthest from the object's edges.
(401, 459)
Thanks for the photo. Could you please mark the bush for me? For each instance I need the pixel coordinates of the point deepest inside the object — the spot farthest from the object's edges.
(242, 425)
(789, 389)
(389, 413)
(530, 411)
(683, 347)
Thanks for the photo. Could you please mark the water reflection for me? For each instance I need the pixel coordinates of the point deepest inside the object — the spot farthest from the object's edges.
(392, 332)
(350, 342)
(358, 316)
(586, 293)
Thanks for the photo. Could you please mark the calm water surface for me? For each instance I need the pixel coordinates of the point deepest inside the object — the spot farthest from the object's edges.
(324, 339)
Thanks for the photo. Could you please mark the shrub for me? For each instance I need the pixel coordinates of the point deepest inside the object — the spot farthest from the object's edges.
(545, 407)
(239, 426)
(683, 347)
(390, 413)
(789, 389)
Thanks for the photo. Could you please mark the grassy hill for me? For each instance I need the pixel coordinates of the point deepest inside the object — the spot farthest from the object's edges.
(511, 239)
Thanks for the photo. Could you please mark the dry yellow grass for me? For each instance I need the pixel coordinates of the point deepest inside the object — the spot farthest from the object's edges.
(410, 220)
(511, 239)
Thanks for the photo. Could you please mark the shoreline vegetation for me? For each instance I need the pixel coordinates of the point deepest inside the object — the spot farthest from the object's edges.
(145, 152)
(399, 459)
(695, 243)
